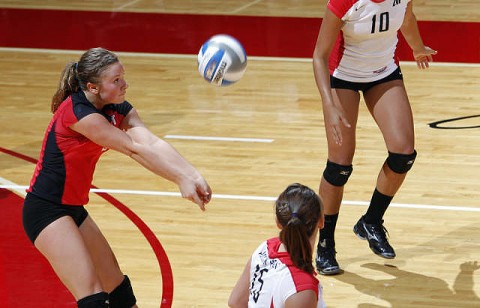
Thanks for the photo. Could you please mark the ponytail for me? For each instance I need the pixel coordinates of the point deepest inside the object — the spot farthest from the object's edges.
(294, 237)
(68, 84)
(298, 210)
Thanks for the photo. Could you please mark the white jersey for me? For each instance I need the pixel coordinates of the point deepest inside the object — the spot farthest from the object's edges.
(365, 48)
(273, 277)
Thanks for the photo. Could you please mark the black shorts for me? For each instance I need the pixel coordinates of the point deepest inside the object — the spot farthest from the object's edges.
(363, 86)
(38, 213)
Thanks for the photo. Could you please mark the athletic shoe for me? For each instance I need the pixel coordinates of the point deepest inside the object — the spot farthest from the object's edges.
(376, 234)
(325, 261)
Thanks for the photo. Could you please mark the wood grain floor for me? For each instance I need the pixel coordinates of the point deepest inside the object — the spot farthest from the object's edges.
(433, 222)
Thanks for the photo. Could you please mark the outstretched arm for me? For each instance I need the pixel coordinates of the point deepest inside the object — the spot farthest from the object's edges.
(158, 156)
(411, 33)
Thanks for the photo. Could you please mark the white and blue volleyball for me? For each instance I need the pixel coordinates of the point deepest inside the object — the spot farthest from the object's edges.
(222, 60)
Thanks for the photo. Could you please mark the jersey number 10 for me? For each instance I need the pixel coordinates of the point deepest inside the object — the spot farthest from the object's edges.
(383, 22)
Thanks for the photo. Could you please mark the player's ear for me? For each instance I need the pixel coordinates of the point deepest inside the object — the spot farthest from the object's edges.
(92, 88)
(279, 226)
(321, 221)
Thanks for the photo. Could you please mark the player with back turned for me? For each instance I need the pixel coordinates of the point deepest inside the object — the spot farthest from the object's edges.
(355, 52)
(280, 271)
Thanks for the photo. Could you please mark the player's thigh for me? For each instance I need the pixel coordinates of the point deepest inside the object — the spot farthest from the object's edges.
(343, 154)
(102, 255)
(63, 246)
(389, 105)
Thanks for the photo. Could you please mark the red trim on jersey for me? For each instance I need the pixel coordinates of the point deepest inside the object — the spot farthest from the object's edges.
(337, 53)
(302, 280)
(378, 1)
(340, 7)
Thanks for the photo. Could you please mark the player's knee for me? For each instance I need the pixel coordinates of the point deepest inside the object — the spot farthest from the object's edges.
(122, 296)
(401, 163)
(336, 174)
(98, 300)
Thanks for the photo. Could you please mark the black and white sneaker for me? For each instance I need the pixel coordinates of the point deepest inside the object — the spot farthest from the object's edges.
(325, 261)
(376, 234)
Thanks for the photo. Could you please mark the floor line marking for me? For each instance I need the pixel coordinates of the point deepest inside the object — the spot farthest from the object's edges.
(194, 56)
(257, 198)
(218, 138)
(238, 10)
(19, 190)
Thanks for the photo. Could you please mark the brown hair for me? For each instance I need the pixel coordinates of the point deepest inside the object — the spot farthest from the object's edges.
(76, 75)
(298, 210)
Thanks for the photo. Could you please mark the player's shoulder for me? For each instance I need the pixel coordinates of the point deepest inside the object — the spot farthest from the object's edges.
(341, 7)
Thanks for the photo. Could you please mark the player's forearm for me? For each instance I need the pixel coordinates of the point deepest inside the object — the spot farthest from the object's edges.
(322, 79)
(162, 159)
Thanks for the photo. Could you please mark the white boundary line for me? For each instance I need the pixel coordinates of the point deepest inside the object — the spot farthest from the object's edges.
(217, 138)
(239, 9)
(18, 188)
(194, 57)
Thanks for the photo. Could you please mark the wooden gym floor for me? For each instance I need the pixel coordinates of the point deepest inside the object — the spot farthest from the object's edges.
(250, 141)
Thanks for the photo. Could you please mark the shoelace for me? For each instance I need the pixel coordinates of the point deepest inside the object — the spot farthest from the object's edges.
(379, 231)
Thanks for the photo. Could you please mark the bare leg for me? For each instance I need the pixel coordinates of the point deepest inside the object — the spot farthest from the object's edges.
(332, 195)
(63, 246)
(389, 105)
(341, 154)
(104, 259)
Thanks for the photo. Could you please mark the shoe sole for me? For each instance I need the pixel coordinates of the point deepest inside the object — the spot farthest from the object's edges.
(335, 271)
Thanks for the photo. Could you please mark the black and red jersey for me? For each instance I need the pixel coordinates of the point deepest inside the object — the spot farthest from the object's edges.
(64, 171)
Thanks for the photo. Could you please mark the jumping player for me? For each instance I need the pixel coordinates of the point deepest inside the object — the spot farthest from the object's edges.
(355, 52)
(91, 115)
(280, 272)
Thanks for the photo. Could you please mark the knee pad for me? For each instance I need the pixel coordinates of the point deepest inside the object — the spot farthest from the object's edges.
(401, 163)
(122, 296)
(98, 300)
(336, 174)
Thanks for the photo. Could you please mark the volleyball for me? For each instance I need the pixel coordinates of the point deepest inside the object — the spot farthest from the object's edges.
(222, 60)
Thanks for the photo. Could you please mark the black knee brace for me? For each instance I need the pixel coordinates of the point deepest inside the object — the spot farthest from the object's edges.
(336, 174)
(122, 296)
(401, 163)
(98, 300)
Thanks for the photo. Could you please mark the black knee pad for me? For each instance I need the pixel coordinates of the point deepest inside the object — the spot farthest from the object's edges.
(401, 163)
(122, 296)
(336, 174)
(98, 300)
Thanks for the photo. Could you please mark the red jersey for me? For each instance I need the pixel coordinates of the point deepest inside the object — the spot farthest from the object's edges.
(64, 171)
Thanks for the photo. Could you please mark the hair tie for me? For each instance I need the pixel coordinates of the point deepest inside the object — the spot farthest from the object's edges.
(294, 214)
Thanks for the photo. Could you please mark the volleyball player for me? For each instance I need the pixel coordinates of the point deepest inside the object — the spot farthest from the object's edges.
(356, 52)
(280, 272)
(90, 116)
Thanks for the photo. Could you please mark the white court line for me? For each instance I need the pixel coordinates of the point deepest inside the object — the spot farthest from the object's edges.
(20, 190)
(217, 138)
(194, 57)
(238, 10)
(9, 185)
(125, 5)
